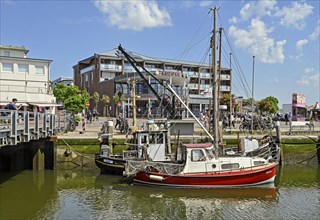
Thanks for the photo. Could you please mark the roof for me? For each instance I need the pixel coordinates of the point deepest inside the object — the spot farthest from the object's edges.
(116, 53)
(10, 47)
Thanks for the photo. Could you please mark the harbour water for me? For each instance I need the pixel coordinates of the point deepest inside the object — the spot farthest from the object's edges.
(84, 194)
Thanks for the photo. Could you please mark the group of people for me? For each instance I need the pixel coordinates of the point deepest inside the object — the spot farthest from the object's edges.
(92, 115)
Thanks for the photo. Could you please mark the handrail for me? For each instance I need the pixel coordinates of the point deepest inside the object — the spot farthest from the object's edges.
(23, 126)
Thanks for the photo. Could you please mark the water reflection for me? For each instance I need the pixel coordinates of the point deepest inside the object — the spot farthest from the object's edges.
(25, 193)
(83, 194)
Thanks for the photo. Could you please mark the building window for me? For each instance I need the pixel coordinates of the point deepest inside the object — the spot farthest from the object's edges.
(40, 70)
(23, 68)
(7, 67)
(6, 53)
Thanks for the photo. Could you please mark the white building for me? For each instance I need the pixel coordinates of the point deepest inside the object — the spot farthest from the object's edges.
(67, 81)
(26, 79)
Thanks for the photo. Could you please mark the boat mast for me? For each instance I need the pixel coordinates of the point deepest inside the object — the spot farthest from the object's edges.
(252, 95)
(134, 107)
(214, 84)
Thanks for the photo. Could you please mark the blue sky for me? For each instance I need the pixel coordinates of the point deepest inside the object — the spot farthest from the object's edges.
(282, 35)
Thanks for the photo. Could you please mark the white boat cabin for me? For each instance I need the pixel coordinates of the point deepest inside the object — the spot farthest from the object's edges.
(200, 158)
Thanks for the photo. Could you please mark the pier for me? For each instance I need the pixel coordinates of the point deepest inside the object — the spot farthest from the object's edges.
(27, 138)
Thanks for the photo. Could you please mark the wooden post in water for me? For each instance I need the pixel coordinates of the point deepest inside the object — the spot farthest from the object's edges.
(278, 141)
(318, 149)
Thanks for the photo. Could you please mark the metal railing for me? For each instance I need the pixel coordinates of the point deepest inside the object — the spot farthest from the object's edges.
(23, 126)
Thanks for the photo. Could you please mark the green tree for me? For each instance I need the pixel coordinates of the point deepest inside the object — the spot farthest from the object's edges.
(71, 97)
(269, 105)
(106, 101)
(225, 100)
(118, 99)
(96, 99)
(247, 102)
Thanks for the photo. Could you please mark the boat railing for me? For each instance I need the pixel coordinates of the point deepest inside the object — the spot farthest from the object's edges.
(130, 154)
(132, 167)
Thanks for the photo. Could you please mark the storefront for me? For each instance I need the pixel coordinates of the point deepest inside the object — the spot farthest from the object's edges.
(299, 110)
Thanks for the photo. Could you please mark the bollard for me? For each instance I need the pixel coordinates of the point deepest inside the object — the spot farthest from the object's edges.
(83, 126)
(278, 132)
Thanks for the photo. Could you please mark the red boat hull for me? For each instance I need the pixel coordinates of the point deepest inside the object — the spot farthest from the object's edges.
(235, 178)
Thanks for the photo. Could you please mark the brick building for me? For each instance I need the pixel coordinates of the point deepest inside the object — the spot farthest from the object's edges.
(109, 73)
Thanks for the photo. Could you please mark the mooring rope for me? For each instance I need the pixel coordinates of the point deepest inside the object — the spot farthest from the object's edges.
(76, 151)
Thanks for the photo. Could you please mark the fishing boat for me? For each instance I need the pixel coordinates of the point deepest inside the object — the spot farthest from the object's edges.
(199, 167)
(202, 165)
(150, 144)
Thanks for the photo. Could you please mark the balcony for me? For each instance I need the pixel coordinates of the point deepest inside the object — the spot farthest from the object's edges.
(193, 86)
(205, 75)
(225, 88)
(87, 69)
(205, 87)
(112, 67)
(191, 74)
(224, 77)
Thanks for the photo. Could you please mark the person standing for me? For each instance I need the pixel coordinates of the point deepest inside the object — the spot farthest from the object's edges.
(286, 118)
(290, 122)
(13, 105)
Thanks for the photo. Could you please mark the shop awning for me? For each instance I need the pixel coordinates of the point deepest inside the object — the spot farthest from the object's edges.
(45, 104)
(17, 104)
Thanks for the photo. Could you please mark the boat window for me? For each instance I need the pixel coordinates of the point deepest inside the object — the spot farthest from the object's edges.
(229, 166)
(259, 162)
(144, 139)
(197, 155)
(156, 138)
(210, 153)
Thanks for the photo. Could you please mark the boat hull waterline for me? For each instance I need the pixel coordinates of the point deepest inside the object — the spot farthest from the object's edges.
(109, 165)
(240, 178)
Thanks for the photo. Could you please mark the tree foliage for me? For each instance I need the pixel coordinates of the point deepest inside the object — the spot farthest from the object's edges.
(247, 102)
(105, 100)
(71, 97)
(269, 105)
(96, 98)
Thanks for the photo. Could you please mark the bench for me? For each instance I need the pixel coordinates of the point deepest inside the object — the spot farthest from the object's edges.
(301, 125)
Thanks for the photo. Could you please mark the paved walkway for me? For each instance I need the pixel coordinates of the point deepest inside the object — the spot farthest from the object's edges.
(92, 130)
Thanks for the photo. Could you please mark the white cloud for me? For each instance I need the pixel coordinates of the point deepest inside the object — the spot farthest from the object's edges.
(311, 78)
(308, 70)
(255, 9)
(133, 15)
(256, 40)
(299, 49)
(295, 15)
(300, 44)
(315, 34)
(276, 80)
(205, 3)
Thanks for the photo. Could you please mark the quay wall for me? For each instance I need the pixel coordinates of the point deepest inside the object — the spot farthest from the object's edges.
(36, 154)
(296, 150)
